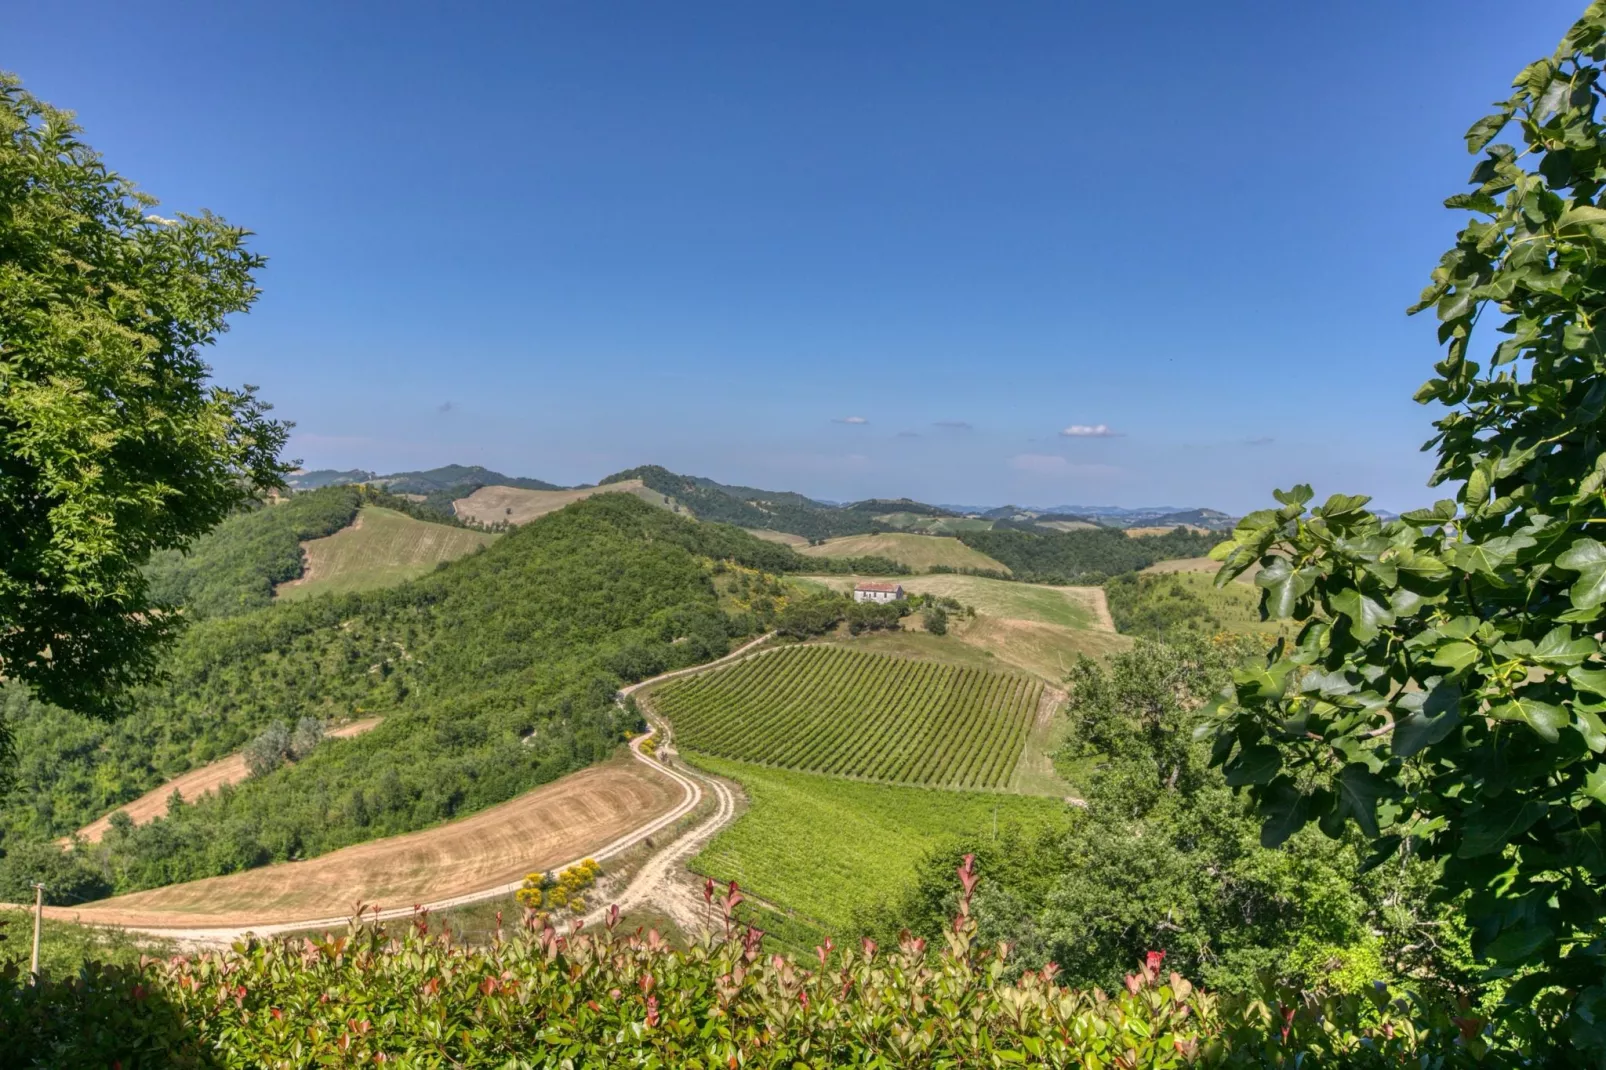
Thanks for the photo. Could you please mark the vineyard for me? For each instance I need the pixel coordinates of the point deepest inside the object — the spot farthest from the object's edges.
(827, 709)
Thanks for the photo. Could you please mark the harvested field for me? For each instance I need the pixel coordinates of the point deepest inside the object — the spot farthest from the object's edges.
(916, 551)
(549, 826)
(1201, 564)
(1137, 533)
(382, 547)
(197, 782)
(1070, 607)
(1045, 650)
(494, 505)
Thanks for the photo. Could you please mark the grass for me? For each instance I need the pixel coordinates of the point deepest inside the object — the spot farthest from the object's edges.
(64, 947)
(380, 549)
(916, 551)
(827, 847)
(1045, 650)
(1068, 607)
(785, 538)
(848, 712)
(1236, 605)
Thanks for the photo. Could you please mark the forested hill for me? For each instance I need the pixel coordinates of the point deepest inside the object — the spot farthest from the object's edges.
(495, 673)
(749, 507)
(1088, 556)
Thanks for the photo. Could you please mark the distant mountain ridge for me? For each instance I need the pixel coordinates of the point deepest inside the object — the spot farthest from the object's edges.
(781, 511)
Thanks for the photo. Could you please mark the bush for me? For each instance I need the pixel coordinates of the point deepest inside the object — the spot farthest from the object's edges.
(542, 999)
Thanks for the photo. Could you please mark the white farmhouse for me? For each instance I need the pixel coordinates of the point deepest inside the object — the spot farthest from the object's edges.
(878, 592)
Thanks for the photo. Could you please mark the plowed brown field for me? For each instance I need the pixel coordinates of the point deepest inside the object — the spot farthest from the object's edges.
(198, 782)
(549, 826)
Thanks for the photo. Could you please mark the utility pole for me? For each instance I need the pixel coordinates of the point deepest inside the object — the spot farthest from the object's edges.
(38, 919)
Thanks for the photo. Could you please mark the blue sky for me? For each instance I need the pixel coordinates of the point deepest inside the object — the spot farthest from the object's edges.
(849, 249)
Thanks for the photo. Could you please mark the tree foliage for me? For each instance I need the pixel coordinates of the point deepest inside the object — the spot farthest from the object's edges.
(1446, 692)
(114, 444)
(1086, 556)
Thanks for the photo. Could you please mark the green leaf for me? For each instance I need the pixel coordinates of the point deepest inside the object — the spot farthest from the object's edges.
(1491, 555)
(1486, 130)
(1286, 812)
(1560, 648)
(1435, 715)
(1587, 558)
(1492, 826)
(1595, 784)
(1297, 495)
(1366, 614)
(1284, 586)
(1589, 725)
(1519, 943)
(1542, 717)
(1256, 764)
(1589, 679)
(1359, 789)
(1456, 655)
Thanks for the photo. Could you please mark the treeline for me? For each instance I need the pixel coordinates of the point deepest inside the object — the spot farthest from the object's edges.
(1083, 557)
(1160, 606)
(494, 674)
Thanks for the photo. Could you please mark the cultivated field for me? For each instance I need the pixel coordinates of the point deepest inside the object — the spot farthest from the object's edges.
(553, 824)
(847, 712)
(1069, 607)
(197, 782)
(380, 549)
(785, 538)
(493, 505)
(934, 525)
(916, 551)
(827, 847)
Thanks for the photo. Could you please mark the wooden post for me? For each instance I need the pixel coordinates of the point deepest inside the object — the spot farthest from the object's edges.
(38, 919)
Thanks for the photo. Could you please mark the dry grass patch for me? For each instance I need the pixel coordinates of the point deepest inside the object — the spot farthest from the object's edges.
(785, 538)
(380, 549)
(514, 505)
(916, 551)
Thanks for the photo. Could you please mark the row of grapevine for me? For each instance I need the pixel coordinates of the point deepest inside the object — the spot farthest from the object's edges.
(831, 709)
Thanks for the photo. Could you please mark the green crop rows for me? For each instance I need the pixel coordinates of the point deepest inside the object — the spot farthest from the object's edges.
(826, 709)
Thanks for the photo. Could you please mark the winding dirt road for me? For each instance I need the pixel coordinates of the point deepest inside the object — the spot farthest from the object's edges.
(179, 912)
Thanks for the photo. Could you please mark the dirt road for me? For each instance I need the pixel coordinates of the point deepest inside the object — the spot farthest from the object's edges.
(597, 813)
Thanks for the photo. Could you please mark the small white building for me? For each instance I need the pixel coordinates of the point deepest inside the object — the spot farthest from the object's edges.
(878, 592)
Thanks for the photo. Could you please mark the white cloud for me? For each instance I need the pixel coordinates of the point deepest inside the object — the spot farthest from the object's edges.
(850, 420)
(1052, 464)
(1089, 431)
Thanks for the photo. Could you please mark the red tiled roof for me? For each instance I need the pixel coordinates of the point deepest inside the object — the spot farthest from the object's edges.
(889, 588)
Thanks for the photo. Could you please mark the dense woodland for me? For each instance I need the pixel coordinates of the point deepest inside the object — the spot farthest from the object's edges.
(494, 674)
(1083, 557)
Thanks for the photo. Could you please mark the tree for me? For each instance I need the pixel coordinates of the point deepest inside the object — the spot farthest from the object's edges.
(114, 444)
(1446, 691)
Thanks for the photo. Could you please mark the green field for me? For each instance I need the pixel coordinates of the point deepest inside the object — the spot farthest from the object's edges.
(826, 847)
(1069, 607)
(831, 709)
(1177, 601)
(916, 551)
(380, 549)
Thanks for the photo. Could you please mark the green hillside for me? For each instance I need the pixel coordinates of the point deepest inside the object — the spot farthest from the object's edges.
(381, 548)
(234, 568)
(828, 709)
(495, 674)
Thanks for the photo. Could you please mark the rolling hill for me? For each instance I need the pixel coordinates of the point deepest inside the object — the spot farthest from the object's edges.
(919, 552)
(380, 548)
(517, 505)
